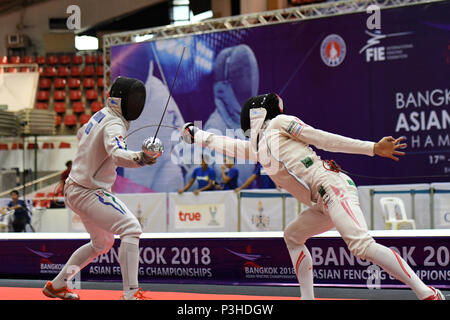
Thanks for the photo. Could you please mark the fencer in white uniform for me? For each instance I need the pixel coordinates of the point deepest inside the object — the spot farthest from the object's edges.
(281, 144)
(87, 191)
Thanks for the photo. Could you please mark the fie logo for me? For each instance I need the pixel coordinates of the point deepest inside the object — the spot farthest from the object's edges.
(73, 22)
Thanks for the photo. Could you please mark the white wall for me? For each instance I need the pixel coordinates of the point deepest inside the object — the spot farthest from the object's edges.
(36, 16)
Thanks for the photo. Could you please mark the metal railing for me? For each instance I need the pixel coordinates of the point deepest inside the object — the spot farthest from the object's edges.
(431, 191)
(38, 183)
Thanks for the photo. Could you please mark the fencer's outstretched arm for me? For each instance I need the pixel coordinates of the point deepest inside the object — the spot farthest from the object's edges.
(231, 147)
(386, 147)
(116, 148)
(298, 130)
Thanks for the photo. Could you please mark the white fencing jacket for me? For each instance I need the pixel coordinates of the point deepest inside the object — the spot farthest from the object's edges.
(281, 145)
(102, 149)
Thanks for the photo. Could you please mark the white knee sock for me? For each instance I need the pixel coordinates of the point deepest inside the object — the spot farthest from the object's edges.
(392, 263)
(302, 262)
(129, 264)
(77, 261)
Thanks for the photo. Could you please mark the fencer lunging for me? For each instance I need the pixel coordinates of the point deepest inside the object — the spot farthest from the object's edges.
(101, 150)
(280, 143)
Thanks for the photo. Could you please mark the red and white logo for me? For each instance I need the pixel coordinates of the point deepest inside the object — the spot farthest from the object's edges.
(333, 50)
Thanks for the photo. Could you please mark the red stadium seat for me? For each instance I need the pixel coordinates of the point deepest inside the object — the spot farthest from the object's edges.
(88, 71)
(74, 83)
(70, 120)
(64, 59)
(75, 71)
(75, 95)
(88, 83)
(32, 146)
(99, 71)
(50, 72)
(11, 70)
(60, 83)
(63, 71)
(100, 83)
(84, 118)
(58, 121)
(48, 145)
(43, 95)
(41, 71)
(91, 94)
(3, 60)
(64, 145)
(89, 59)
(41, 105)
(27, 59)
(100, 59)
(45, 83)
(96, 106)
(59, 95)
(40, 60)
(24, 69)
(52, 60)
(78, 107)
(16, 146)
(14, 60)
(77, 59)
(37, 202)
(59, 107)
(4, 146)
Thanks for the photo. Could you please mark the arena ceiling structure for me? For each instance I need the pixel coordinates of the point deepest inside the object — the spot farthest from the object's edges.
(299, 13)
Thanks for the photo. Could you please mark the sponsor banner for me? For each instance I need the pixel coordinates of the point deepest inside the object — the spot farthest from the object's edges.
(260, 213)
(228, 260)
(149, 208)
(210, 215)
(207, 211)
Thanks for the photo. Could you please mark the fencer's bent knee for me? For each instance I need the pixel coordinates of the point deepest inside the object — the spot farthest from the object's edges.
(130, 228)
(292, 239)
(102, 244)
(358, 246)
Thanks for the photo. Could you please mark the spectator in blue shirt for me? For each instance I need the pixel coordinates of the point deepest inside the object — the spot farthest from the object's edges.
(263, 181)
(230, 174)
(21, 217)
(204, 176)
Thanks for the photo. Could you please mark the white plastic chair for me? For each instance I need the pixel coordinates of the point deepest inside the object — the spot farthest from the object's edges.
(395, 214)
(5, 220)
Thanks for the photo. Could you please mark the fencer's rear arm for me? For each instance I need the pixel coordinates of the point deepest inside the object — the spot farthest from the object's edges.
(115, 147)
(322, 139)
(231, 147)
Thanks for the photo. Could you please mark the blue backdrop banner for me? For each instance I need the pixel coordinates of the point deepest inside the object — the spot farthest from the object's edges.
(333, 73)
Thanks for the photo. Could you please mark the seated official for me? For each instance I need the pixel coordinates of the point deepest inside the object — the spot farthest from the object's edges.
(204, 176)
(21, 217)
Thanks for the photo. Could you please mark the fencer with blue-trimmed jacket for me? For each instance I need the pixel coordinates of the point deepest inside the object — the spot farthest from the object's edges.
(102, 149)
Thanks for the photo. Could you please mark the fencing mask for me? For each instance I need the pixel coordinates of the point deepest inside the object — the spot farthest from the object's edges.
(132, 96)
(271, 102)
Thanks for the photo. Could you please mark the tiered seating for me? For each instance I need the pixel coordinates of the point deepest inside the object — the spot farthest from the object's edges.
(70, 84)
